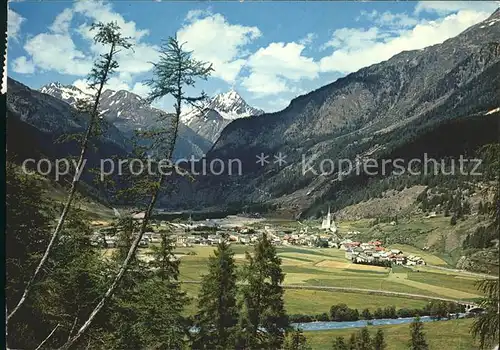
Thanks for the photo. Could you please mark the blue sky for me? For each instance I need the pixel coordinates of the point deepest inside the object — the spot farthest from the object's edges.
(270, 52)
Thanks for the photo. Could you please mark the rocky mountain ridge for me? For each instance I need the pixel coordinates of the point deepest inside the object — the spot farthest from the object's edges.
(129, 112)
(213, 116)
(367, 113)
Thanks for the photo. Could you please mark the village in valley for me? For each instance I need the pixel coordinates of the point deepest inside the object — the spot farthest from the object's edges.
(246, 230)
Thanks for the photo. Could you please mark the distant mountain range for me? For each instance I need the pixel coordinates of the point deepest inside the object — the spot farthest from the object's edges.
(368, 113)
(212, 117)
(199, 128)
(379, 111)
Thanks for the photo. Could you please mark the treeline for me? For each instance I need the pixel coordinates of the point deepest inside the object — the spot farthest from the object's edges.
(148, 309)
(363, 340)
(482, 237)
(437, 309)
(411, 143)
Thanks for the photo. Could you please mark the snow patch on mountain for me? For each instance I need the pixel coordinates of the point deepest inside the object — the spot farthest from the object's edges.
(229, 105)
(68, 93)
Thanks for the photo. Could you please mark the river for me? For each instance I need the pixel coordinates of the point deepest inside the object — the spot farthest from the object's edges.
(327, 325)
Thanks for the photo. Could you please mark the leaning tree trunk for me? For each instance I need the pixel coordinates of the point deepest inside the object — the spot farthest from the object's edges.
(71, 194)
(135, 244)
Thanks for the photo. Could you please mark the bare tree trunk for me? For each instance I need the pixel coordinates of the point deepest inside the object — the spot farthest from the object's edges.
(48, 337)
(135, 244)
(121, 272)
(6, 327)
(71, 194)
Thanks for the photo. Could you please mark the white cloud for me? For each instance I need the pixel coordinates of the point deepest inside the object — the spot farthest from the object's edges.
(447, 7)
(272, 67)
(273, 104)
(14, 22)
(100, 12)
(196, 14)
(82, 84)
(263, 84)
(353, 38)
(389, 19)
(116, 84)
(23, 66)
(213, 39)
(141, 89)
(377, 46)
(131, 62)
(57, 52)
(308, 39)
(62, 22)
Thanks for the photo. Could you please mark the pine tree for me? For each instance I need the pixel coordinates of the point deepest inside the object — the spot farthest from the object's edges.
(352, 343)
(453, 220)
(339, 344)
(159, 307)
(363, 340)
(109, 36)
(217, 314)
(295, 340)
(486, 326)
(122, 311)
(146, 312)
(27, 220)
(417, 341)
(172, 74)
(164, 260)
(378, 341)
(263, 305)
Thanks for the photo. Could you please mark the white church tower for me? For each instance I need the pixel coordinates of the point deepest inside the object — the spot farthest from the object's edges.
(328, 223)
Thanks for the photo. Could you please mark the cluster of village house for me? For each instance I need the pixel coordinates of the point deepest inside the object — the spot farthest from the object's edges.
(187, 236)
(374, 251)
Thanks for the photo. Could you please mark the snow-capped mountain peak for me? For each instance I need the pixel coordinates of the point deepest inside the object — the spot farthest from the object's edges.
(230, 105)
(68, 93)
(216, 113)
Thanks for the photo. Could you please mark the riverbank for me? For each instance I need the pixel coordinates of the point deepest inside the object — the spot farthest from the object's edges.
(446, 335)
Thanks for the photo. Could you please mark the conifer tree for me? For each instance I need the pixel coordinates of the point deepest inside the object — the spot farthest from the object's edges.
(417, 341)
(217, 315)
(339, 344)
(73, 275)
(27, 220)
(486, 326)
(175, 71)
(363, 340)
(295, 340)
(379, 341)
(264, 321)
(162, 300)
(453, 220)
(110, 37)
(352, 343)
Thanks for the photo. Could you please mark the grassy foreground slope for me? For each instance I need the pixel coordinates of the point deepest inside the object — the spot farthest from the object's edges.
(441, 335)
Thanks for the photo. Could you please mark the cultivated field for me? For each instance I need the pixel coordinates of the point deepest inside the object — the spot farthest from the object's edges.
(327, 267)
